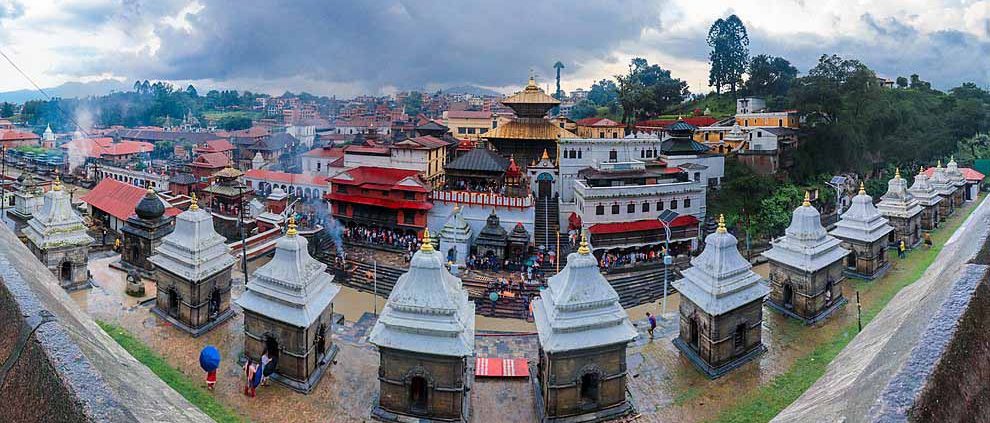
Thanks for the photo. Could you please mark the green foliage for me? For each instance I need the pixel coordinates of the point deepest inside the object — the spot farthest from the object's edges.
(769, 76)
(741, 196)
(604, 92)
(775, 210)
(413, 103)
(7, 110)
(234, 123)
(173, 377)
(902, 82)
(730, 53)
(648, 90)
(583, 109)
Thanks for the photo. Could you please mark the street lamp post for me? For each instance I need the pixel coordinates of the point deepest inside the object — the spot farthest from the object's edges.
(3, 182)
(666, 262)
(240, 222)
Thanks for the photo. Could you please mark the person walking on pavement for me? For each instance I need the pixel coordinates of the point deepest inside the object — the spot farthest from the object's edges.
(928, 240)
(901, 249)
(653, 323)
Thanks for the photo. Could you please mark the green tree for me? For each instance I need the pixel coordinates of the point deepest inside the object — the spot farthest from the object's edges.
(583, 109)
(918, 84)
(730, 53)
(191, 91)
(234, 123)
(7, 110)
(770, 76)
(775, 210)
(648, 90)
(413, 103)
(604, 92)
(902, 82)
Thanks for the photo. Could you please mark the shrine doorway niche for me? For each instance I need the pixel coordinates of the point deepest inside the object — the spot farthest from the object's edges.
(65, 272)
(418, 395)
(544, 185)
(590, 389)
(788, 296)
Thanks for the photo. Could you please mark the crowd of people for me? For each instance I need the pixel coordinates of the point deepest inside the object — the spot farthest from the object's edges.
(382, 236)
(610, 260)
(491, 186)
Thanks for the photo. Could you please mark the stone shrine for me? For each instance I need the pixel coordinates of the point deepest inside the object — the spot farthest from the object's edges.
(425, 340)
(57, 236)
(192, 276)
(958, 180)
(806, 268)
(583, 334)
(288, 312)
(928, 198)
(945, 189)
(143, 233)
(455, 238)
(903, 212)
(28, 197)
(863, 231)
(721, 312)
(492, 239)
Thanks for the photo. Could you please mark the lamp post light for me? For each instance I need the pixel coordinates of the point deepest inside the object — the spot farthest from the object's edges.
(3, 182)
(666, 263)
(240, 222)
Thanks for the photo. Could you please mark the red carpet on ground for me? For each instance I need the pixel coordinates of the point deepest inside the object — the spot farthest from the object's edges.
(501, 367)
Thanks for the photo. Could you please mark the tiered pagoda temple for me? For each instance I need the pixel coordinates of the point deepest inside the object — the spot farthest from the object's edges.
(143, 233)
(945, 189)
(903, 212)
(192, 277)
(863, 231)
(226, 197)
(425, 340)
(806, 268)
(455, 238)
(526, 136)
(721, 312)
(492, 239)
(57, 236)
(583, 334)
(288, 312)
(518, 241)
(928, 198)
(958, 180)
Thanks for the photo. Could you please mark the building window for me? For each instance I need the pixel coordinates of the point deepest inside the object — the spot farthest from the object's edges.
(646, 207)
(342, 189)
(318, 166)
(687, 202)
(408, 195)
(615, 209)
(780, 122)
(615, 135)
(470, 130)
(706, 136)
(673, 204)
(342, 209)
(631, 208)
(409, 218)
(659, 205)
(613, 155)
(579, 154)
(599, 210)
(642, 154)
(697, 176)
(461, 130)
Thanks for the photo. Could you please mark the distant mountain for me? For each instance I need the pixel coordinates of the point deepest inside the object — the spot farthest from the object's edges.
(473, 90)
(67, 90)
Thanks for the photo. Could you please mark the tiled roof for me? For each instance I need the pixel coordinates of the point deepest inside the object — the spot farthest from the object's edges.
(252, 132)
(423, 142)
(969, 173)
(541, 130)
(119, 199)
(183, 179)
(211, 161)
(214, 146)
(99, 147)
(599, 122)
(381, 178)
(479, 160)
(286, 178)
(12, 135)
(330, 153)
(641, 225)
(276, 142)
(697, 121)
(364, 149)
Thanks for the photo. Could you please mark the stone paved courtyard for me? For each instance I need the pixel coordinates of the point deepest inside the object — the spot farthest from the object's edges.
(664, 386)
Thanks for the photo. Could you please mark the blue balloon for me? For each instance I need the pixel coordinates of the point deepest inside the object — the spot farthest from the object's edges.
(209, 358)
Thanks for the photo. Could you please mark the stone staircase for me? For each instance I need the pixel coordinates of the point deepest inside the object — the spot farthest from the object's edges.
(547, 222)
(641, 286)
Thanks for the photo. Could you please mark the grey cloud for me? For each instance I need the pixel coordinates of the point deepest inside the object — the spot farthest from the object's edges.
(408, 44)
(888, 27)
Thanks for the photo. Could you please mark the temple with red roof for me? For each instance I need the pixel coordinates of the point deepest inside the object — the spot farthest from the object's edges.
(381, 197)
(116, 151)
(112, 202)
(11, 138)
(300, 185)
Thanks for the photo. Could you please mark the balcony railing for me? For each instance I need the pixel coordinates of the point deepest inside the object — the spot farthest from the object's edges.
(483, 199)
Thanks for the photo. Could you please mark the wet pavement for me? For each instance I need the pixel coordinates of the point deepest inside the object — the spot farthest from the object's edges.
(664, 385)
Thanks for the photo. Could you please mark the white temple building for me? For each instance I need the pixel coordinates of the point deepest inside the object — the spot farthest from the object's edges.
(583, 334)
(57, 236)
(806, 268)
(721, 312)
(928, 198)
(864, 231)
(427, 319)
(945, 189)
(193, 266)
(903, 211)
(455, 238)
(958, 180)
(288, 312)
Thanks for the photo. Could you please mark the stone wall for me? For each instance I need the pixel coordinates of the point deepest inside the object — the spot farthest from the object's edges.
(446, 378)
(58, 365)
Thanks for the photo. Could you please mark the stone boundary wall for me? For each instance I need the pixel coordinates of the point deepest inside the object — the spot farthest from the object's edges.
(59, 366)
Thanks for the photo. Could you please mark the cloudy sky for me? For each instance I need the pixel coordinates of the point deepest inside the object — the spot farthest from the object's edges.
(352, 47)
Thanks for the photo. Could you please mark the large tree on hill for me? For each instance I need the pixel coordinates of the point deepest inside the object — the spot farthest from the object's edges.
(770, 76)
(604, 92)
(730, 53)
(648, 90)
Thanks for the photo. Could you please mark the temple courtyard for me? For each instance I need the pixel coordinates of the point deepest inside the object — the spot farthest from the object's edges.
(663, 385)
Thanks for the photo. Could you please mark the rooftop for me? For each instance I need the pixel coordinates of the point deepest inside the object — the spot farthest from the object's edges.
(119, 199)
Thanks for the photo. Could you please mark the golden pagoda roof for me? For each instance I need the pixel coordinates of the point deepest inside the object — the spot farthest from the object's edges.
(532, 94)
(529, 130)
(228, 172)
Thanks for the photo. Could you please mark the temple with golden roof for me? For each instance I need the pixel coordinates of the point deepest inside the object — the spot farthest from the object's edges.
(529, 134)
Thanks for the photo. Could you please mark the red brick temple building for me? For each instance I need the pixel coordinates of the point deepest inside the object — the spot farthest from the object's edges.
(377, 197)
(226, 197)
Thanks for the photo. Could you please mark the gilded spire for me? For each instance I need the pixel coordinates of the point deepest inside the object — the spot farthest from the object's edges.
(897, 172)
(807, 199)
(57, 183)
(862, 188)
(151, 190)
(292, 227)
(427, 246)
(546, 155)
(721, 224)
(921, 170)
(583, 248)
(193, 203)
(939, 165)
